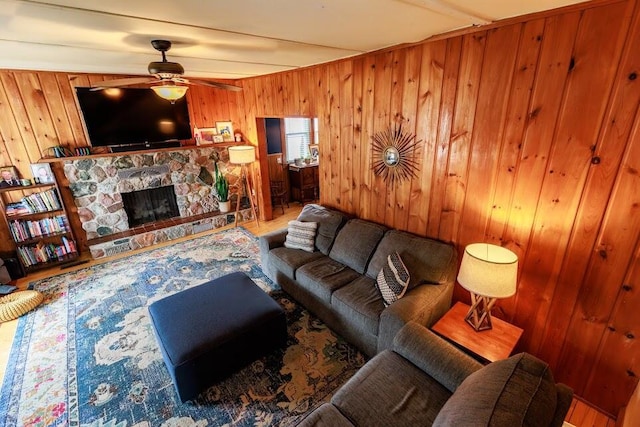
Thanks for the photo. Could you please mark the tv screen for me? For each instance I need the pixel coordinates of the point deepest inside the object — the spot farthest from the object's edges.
(132, 116)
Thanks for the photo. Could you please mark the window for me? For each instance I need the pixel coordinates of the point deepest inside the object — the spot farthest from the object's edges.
(299, 133)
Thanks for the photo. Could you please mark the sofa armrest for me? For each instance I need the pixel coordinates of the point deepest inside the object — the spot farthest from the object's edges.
(424, 304)
(272, 240)
(435, 356)
(266, 242)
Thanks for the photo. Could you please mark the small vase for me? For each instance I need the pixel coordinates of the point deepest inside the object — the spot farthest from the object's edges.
(224, 206)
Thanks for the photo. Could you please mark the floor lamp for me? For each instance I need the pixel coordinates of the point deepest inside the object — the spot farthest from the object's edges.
(243, 155)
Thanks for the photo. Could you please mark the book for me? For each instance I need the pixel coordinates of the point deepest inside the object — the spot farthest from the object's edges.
(17, 208)
(67, 247)
(53, 199)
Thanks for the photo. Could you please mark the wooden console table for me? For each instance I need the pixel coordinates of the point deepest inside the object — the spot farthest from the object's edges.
(304, 182)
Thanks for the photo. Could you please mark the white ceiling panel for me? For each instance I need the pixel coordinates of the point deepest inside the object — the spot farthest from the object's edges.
(227, 39)
(105, 62)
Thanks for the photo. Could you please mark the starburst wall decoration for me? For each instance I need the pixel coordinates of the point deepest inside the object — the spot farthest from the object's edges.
(394, 154)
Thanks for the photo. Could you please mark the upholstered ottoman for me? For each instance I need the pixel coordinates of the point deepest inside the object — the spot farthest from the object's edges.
(209, 331)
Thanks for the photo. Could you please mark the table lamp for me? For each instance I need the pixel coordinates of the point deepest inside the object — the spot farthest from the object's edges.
(488, 272)
(244, 155)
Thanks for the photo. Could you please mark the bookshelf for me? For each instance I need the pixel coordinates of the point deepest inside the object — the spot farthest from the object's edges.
(38, 225)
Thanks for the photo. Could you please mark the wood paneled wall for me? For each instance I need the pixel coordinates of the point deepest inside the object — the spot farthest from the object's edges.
(531, 140)
(530, 134)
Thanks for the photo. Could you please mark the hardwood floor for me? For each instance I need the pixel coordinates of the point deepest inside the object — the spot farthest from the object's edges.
(580, 414)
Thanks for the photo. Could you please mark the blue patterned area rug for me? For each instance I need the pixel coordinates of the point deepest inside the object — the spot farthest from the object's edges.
(88, 357)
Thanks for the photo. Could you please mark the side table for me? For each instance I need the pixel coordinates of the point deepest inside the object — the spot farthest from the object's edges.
(489, 345)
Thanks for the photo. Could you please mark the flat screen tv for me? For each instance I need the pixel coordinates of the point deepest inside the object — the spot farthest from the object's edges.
(126, 116)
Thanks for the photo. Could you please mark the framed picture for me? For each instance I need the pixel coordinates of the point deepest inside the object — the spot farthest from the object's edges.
(205, 135)
(42, 173)
(218, 138)
(314, 151)
(226, 130)
(9, 176)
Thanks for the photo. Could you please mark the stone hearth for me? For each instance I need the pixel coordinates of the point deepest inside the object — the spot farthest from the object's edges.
(143, 237)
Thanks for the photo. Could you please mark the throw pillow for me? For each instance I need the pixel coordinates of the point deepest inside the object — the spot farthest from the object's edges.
(329, 221)
(301, 235)
(355, 243)
(393, 279)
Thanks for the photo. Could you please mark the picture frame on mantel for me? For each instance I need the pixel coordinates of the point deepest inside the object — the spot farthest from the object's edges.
(206, 136)
(226, 130)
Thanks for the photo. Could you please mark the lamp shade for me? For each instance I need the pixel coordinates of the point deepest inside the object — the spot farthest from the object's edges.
(242, 154)
(489, 270)
(170, 92)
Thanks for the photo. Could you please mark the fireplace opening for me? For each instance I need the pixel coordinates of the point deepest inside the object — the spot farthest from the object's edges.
(150, 205)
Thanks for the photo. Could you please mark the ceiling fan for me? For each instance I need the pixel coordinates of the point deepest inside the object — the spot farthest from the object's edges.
(166, 74)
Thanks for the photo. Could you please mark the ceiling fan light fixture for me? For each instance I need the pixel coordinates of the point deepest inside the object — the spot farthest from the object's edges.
(170, 92)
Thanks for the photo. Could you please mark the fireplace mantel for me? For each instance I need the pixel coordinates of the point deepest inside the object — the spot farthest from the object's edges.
(98, 152)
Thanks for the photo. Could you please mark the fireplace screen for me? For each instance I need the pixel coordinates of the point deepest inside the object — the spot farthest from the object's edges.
(150, 205)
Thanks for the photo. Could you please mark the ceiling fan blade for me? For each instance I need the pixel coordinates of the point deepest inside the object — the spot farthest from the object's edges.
(216, 85)
(123, 82)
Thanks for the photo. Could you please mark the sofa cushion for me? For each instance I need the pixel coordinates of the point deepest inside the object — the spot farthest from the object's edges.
(301, 235)
(329, 221)
(361, 303)
(493, 396)
(355, 243)
(393, 279)
(287, 261)
(390, 391)
(323, 276)
(428, 260)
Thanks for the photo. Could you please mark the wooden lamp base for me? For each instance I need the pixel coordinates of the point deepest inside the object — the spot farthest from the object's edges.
(479, 314)
(245, 181)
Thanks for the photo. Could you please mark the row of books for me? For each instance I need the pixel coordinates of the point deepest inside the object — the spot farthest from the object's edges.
(26, 230)
(46, 252)
(36, 202)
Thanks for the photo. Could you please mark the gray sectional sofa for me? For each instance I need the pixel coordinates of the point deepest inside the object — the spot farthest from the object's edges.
(337, 281)
(426, 381)
(415, 378)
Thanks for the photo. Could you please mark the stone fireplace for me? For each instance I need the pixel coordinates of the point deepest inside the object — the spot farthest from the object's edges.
(104, 185)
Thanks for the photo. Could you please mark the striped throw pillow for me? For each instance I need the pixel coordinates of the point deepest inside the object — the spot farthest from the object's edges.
(301, 235)
(393, 279)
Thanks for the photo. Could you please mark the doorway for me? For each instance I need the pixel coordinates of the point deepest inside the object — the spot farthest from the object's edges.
(291, 143)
